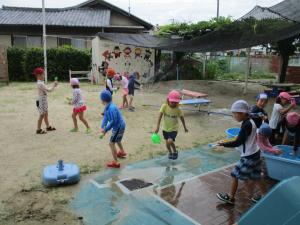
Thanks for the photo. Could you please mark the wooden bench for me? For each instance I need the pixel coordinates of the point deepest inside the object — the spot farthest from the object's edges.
(193, 94)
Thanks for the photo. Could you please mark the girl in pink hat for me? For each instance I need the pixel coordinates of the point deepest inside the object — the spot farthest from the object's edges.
(292, 128)
(78, 106)
(124, 82)
(171, 112)
(279, 111)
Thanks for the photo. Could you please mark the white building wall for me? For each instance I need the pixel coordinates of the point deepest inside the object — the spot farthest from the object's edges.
(96, 63)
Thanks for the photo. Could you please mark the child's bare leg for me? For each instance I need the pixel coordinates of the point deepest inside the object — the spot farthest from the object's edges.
(125, 101)
(261, 185)
(130, 101)
(234, 186)
(83, 120)
(46, 119)
(168, 145)
(39, 123)
(75, 120)
(113, 151)
(173, 147)
(120, 146)
(250, 187)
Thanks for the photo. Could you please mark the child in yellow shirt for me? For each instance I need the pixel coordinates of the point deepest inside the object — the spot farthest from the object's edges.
(171, 112)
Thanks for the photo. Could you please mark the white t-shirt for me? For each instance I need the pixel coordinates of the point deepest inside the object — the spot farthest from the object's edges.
(77, 100)
(124, 82)
(276, 116)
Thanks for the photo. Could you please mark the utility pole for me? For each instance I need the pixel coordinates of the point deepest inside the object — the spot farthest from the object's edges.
(129, 7)
(218, 8)
(44, 41)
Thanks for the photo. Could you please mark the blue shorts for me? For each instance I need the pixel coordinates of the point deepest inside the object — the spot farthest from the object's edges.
(170, 135)
(117, 135)
(248, 168)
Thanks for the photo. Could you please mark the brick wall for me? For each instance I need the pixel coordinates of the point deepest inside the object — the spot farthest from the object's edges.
(293, 72)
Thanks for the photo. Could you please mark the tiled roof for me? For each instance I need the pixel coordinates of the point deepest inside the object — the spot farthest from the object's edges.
(55, 17)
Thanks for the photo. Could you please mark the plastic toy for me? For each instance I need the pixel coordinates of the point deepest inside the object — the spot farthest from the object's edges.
(155, 138)
(61, 174)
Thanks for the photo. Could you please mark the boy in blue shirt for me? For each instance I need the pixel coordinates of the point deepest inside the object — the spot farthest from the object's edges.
(113, 120)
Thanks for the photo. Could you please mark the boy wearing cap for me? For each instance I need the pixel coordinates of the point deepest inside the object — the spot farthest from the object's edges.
(248, 168)
(110, 73)
(113, 119)
(292, 124)
(42, 102)
(131, 87)
(257, 112)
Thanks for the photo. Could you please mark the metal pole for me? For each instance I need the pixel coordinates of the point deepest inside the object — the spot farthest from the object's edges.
(204, 65)
(218, 8)
(177, 72)
(44, 41)
(248, 70)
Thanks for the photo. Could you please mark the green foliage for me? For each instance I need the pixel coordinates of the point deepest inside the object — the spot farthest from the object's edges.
(21, 62)
(241, 76)
(15, 57)
(211, 70)
(191, 30)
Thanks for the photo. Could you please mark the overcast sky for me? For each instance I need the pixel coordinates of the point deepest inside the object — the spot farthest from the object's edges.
(164, 11)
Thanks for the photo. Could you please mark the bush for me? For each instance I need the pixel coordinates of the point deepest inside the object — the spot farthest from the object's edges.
(15, 57)
(211, 70)
(21, 62)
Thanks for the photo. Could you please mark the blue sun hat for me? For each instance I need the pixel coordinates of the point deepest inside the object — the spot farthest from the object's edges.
(261, 96)
(265, 130)
(105, 96)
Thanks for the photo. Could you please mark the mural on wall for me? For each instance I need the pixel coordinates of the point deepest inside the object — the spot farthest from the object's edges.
(127, 59)
(117, 52)
(138, 53)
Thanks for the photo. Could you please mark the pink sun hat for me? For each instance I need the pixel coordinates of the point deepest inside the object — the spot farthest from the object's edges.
(285, 95)
(293, 118)
(174, 96)
(74, 81)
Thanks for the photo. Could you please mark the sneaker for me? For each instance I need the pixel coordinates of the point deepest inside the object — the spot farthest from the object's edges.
(74, 130)
(256, 199)
(175, 155)
(88, 131)
(121, 154)
(113, 164)
(225, 198)
(170, 156)
(131, 109)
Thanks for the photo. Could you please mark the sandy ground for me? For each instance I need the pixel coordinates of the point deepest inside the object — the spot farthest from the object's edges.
(23, 154)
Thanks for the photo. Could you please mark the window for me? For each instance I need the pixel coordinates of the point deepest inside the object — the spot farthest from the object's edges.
(19, 41)
(79, 43)
(34, 41)
(64, 41)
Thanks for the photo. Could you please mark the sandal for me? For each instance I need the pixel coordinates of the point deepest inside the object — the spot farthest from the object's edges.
(40, 131)
(50, 128)
(225, 198)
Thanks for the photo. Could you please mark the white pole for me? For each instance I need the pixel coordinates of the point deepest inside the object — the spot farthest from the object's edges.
(248, 70)
(44, 41)
(218, 8)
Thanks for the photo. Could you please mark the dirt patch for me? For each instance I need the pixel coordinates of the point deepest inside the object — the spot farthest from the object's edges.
(24, 154)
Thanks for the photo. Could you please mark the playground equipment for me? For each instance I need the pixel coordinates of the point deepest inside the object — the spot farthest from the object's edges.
(61, 174)
(87, 75)
(283, 166)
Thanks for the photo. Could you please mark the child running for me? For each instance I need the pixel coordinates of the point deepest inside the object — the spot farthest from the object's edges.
(257, 112)
(278, 113)
(171, 112)
(248, 168)
(42, 102)
(113, 120)
(291, 123)
(131, 88)
(79, 106)
(110, 73)
(124, 82)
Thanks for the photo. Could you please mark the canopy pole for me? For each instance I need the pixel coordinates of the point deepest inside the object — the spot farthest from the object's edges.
(248, 70)
(204, 66)
(44, 41)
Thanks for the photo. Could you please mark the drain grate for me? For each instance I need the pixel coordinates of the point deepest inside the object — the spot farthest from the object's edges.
(135, 184)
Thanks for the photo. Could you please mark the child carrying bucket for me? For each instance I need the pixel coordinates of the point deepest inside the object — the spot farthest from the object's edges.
(124, 82)
(79, 106)
(171, 112)
(42, 102)
(113, 119)
(248, 168)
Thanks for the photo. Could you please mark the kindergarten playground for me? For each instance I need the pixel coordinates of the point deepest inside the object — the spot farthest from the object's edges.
(101, 197)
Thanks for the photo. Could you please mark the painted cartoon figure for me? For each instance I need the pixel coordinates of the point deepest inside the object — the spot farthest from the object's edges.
(138, 52)
(107, 55)
(117, 52)
(127, 51)
(147, 55)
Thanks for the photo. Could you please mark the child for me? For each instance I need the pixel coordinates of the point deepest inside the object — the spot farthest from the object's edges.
(257, 112)
(131, 88)
(110, 73)
(42, 102)
(249, 166)
(263, 135)
(79, 106)
(292, 124)
(113, 120)
(171, 112)
(278, 112)
(124, 82)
